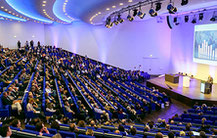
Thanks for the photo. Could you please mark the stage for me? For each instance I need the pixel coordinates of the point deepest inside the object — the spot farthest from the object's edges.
(186, 95)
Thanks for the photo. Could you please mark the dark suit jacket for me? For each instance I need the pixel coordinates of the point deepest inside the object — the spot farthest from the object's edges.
(6, 101)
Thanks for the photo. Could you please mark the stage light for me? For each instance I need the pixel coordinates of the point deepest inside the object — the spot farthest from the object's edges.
(213, 19)
(135, 11)
(115, 21)
(108, 24)
(129, 17)
(194, 20)
(158, 6)
(201, 16)
(171, 8)
(140, 14)
(186, 18)
(184, 2)
(176, 20)
(120, 19)
(152, 12)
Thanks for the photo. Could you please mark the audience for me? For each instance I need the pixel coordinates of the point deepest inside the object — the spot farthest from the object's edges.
(16, 123)
(5, 131)
(69, 88)
(41, 128)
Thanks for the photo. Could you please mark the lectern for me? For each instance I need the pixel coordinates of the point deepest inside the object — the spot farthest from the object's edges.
(186, 81)
(205, 87)
(172, 78)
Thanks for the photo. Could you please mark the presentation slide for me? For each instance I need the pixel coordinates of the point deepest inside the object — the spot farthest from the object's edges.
(205, 44)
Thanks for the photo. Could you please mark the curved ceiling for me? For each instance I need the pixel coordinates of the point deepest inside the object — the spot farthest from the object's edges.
(90, 11)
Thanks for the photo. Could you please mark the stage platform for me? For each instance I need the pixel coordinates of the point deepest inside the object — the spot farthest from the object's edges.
(186, 95)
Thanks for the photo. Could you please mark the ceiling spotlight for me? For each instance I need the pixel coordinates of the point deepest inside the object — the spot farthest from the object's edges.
(214, 17)
(129, 17)
(194, 20)
(176, 20)
(135, 11)
(158, 6)
(186, 18)
(152, 12)
(171, 8)
(115, 21)
(120, 19)
(108, 22)
(184, 2)
(201, 16)
(140, 14)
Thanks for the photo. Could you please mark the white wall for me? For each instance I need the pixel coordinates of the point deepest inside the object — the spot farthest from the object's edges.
(127, 45)
(182, 39)
(11, 32)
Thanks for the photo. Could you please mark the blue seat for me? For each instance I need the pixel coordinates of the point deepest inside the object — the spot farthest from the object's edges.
(65, 134)
(191, 111)
(104, 130)
(136, 136)
(14, 128)
(197, 121)
(178, 119)
(30, 127)
(112, 135)
(4, 110)
(187, 119)
(210, 112)
(208, 122)
(195, 116)
(185, 116)
(30, 131)
(214, 109)
(52, 131)
(213, 118)
(85, 136)
(47, 135)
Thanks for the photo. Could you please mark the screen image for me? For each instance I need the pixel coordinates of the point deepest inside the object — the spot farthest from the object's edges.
(205, 44)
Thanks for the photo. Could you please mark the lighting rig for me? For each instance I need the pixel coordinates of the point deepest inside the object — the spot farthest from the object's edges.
(136, 9)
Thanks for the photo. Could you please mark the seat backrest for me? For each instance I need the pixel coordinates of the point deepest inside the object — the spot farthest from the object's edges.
(112, 135)
(1, 105)
(30, 131)
(85, 136)
(30, 127)
(52, 131)
(65, 134)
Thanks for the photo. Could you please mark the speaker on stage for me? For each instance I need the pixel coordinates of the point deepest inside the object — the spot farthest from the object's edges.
(205, 87)
(170, 21)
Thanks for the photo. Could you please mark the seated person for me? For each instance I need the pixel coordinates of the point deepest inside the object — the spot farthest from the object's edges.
(16, 123)
(73, 128)
(51, 98)
(5, 131)
(89, 132)
(40, 128)
(68, 108)
(30, 106)
(37, 102)
(103, 113)
(49, 106)
(48, 89)
(15, 104)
